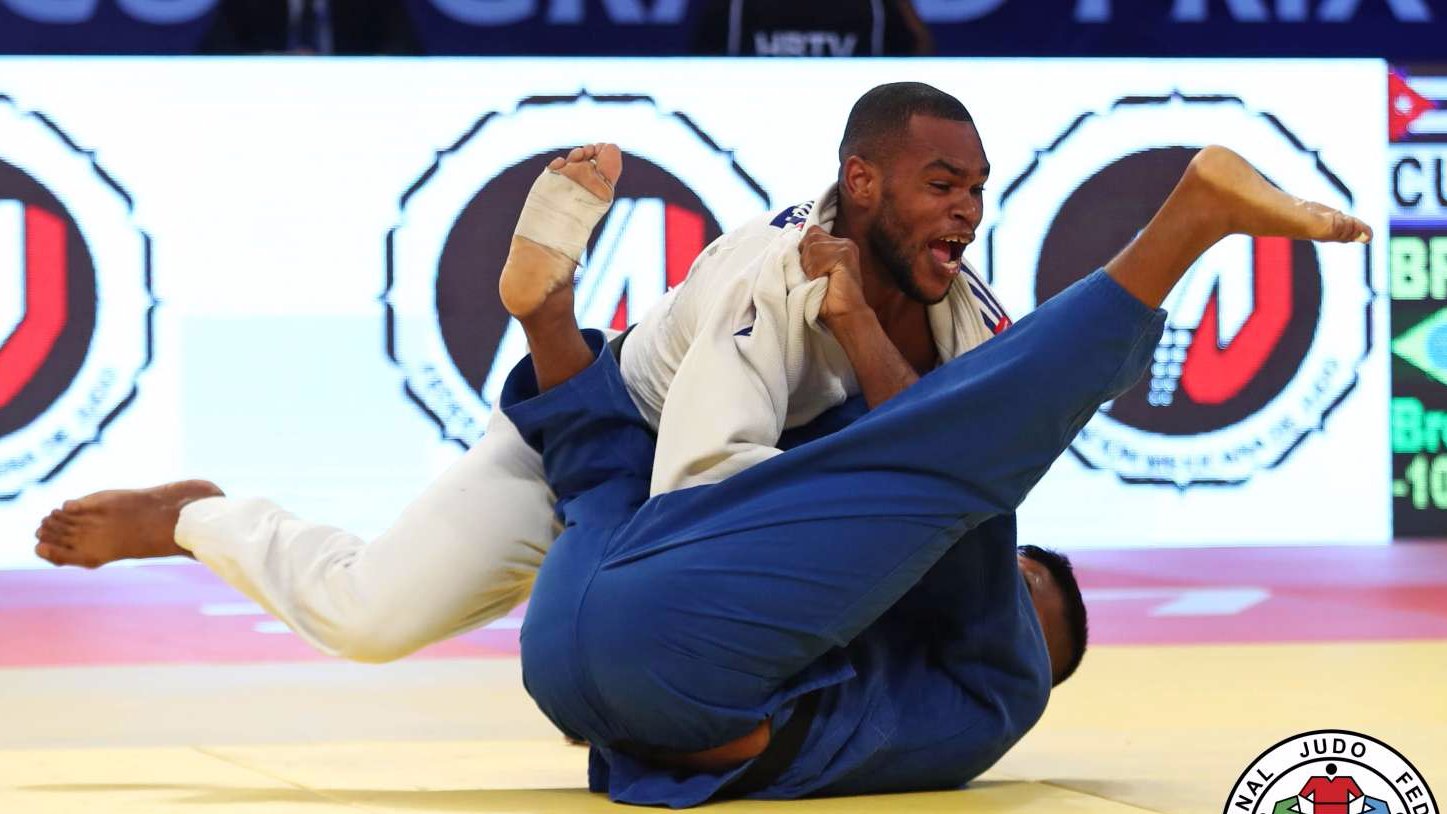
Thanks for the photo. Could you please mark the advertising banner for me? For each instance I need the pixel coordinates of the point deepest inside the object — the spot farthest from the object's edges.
(281, 275)
(1418, 153)
(1396, 29)
(1400, 30)
(104, 26)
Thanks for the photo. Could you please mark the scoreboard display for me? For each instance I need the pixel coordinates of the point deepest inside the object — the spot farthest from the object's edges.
(1418, 285)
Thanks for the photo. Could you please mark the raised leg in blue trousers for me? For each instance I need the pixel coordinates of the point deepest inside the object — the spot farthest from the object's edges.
(681, 621)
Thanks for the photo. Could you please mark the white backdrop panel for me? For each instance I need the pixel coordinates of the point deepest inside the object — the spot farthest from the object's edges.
(268, 188)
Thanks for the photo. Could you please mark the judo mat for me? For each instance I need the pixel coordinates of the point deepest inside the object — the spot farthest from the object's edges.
(158, 689)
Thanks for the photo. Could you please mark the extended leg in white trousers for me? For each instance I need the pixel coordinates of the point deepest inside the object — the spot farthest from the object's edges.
(461, 555)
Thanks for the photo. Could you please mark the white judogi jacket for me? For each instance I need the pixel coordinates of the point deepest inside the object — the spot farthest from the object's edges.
(736, 354)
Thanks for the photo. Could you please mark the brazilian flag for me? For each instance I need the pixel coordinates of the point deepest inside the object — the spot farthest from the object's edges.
(1425, 346)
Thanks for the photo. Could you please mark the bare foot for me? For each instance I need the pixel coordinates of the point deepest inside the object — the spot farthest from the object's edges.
(541, 261)
(1250, 205)
(118, 524)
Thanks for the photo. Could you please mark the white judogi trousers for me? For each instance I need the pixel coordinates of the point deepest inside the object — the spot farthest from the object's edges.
(461, 555)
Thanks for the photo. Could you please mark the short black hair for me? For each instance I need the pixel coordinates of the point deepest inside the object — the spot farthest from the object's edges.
(882, 115)
(1075, 619)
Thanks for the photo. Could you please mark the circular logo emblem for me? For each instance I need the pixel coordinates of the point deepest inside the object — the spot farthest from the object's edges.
(75, 301)
(1331, 772)
(1264, 335)
(447, 330)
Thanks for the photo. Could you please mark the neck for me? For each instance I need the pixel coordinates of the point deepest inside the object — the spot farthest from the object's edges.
(905, 321)
(888, 302)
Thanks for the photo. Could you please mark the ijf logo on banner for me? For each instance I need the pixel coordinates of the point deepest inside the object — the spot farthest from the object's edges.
(75, 300)
(1331, 772)
(447, 330)
(1265, 335)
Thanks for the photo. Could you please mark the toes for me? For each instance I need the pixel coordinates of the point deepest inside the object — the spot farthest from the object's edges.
(53, 532)
(610, 163)
(60, 520)
(1347, 229)
(605, 156)
(1335, 226)
(55, 555)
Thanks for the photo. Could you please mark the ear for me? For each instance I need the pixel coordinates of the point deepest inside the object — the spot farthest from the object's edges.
(860, 181)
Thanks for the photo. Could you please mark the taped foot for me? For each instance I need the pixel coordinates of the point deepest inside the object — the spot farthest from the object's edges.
(563, 208)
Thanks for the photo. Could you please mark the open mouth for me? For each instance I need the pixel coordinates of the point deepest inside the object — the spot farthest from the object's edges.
(948, 251)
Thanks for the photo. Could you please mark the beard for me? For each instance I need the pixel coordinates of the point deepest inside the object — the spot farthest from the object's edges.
(886, 241)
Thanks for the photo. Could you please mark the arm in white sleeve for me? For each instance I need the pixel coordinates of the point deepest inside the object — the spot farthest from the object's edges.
(724, 410)
(751, 350)
(463, 553)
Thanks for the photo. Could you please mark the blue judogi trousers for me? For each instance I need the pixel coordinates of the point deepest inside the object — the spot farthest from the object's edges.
(682, 621)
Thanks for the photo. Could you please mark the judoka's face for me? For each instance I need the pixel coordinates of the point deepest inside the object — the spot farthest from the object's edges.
(931, 202)
(1049, 603)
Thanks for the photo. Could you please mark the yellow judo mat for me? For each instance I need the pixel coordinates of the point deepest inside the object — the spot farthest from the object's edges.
(1140, 728)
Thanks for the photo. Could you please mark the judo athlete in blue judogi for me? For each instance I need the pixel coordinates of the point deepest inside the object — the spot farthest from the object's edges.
(850, 615)
(856, 575)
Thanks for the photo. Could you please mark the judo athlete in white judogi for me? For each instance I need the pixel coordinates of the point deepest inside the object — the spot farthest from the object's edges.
(849, 615)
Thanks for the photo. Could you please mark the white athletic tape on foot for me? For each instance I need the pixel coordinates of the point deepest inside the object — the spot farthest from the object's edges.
(560, 214)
